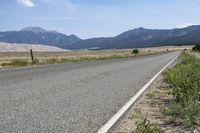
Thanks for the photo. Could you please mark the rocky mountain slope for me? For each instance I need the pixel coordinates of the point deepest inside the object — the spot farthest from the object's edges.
(37, 35)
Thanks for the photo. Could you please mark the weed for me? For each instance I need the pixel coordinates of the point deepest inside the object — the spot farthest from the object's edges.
(52, 61)
(151, 94)
(146, 127)
(35, 61)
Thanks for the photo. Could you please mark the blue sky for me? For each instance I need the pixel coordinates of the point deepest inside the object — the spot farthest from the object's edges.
(95, 18)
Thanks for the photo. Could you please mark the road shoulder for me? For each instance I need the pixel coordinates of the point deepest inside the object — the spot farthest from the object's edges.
(152, 105)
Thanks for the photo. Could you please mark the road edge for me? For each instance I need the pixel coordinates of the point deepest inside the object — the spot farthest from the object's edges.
(113, 120)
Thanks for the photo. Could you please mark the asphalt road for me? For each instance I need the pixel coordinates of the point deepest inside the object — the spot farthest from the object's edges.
(73, 97)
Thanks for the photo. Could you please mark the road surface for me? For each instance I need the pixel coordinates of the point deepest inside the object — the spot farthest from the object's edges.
(73, 97)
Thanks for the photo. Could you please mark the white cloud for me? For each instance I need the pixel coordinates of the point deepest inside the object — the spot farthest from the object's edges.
(185, 25)
(25, 3)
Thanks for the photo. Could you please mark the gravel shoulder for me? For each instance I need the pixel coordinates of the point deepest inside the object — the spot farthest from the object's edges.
(152, 105)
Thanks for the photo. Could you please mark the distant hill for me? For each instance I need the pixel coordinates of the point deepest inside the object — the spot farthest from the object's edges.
(142, 37)
(136, 38)
(7, 47)
(37, 35)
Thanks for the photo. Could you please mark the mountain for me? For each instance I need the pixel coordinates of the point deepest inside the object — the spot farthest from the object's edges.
(37, 35)
(136, 38)
(142, 37)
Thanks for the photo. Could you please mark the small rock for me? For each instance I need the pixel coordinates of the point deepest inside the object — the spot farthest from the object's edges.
(195, 131)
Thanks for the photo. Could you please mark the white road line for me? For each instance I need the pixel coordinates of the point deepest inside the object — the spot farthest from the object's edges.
(105, 128)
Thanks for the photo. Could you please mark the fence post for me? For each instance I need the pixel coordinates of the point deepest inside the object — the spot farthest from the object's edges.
(31, 52)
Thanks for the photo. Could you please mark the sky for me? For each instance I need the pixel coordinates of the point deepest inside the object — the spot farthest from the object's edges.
(96, 18)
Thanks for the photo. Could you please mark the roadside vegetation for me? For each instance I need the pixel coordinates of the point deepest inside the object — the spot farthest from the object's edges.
(184, 84)
(17, 59)
(15, 63)
(23, 62)
(184, 79)
(146, 127)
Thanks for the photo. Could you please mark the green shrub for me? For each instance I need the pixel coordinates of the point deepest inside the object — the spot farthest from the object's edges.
(196, 48)
(135, 51)
(146, 127)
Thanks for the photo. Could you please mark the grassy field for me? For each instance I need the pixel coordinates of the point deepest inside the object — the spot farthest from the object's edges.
(17, 59)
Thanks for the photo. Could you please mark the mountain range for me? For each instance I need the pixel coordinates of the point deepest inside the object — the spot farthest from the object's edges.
(136, 38)
(37, 35)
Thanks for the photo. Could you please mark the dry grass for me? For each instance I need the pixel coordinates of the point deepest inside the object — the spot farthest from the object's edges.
(196, 54)
(44, 57)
